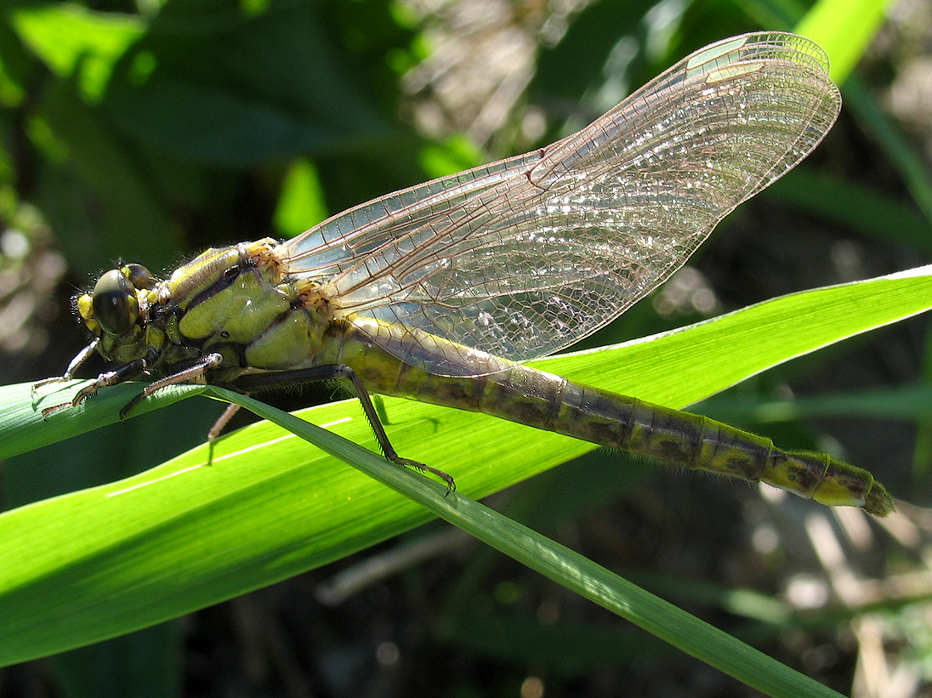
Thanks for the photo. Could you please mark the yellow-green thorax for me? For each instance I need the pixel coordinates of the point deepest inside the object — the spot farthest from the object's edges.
(234, 301)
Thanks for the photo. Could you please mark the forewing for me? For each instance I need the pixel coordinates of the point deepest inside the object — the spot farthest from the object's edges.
(525, 256)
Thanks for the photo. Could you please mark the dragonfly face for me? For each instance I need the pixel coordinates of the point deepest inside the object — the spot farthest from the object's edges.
(115, 311)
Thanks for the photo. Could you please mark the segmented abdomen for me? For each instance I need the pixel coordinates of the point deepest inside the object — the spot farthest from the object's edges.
(527, 396)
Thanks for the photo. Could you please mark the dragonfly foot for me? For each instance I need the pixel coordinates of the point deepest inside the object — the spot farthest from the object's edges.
(447, 479)
(48, 381)
(46, 411)
(82, 395)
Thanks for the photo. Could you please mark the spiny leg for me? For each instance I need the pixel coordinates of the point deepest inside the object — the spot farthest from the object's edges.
(104, 380)
(222, 421)
(79, 360)
(126, 372)
(254, 381)
(189, 371)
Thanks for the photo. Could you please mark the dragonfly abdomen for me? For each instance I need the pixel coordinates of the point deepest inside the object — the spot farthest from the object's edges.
(527, 396)
(700, 443)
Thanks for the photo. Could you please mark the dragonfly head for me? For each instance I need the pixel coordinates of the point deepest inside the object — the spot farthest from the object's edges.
(112, 310)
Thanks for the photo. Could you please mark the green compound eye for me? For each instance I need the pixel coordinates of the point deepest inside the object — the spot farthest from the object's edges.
(115, 306)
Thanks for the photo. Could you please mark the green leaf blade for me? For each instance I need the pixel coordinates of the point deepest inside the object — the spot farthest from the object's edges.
(198, 530)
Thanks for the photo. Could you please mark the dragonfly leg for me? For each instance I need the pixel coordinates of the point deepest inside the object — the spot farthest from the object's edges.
(104, 380)
(363, 394)
(75, 364)
(222, 421)
(336, 371)
(189, 371)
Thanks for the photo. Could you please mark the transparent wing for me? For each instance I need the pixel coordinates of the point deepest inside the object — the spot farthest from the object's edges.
(525, 256)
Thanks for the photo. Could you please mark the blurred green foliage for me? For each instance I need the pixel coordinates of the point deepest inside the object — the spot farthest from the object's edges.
(142, 136)
(149, 131)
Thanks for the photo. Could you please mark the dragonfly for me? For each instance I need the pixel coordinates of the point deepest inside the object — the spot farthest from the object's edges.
(441, 292)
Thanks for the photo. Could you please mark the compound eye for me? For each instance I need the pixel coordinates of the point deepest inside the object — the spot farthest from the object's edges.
(139, 276)
(115, 307)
